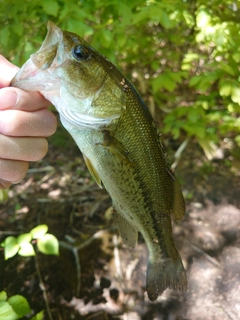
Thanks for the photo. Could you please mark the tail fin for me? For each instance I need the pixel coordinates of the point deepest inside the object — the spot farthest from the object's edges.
(165, 274)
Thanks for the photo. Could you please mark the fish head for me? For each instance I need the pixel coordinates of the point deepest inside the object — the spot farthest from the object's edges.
(82, 84)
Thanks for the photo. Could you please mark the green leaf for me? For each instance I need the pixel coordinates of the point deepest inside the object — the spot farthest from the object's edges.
(188, 18)
(39, 316)
(163, 81)
(124, 12)
(26, 249)
(160, 16)
(10, 247)
(235, 94)
(175, 132)
(106, 38)
(19, 305)
(39, 231)
(236, 57)
(233, 107)
(227, 68)
(225, 89)
(50, 7)
(194, 81)
(79, 27)
(7, 312)
(237, 139)
(204, 82)
(18, 29)
(4, 35)
(168, 83)
(141, 15)
(3, 193)
(177, 76)
(121, 40)
(25, 237)
(193, 115)
(190, 56)
(3, 296)
(198, 130)
(48, 244)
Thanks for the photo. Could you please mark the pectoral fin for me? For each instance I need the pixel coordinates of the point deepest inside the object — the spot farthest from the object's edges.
(93, 171)
(128, 233)
(116, 147)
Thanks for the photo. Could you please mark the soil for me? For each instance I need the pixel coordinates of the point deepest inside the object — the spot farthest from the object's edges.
(96, 276)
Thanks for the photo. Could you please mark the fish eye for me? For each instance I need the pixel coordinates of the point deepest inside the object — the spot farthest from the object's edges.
(80, 52)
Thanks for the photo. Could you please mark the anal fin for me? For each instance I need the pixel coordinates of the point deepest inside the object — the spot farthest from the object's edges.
(128, 233)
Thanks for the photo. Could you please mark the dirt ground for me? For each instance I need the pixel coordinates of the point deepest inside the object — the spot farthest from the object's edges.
(96, 276)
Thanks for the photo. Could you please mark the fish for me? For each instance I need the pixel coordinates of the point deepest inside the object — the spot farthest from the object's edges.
(120, 143)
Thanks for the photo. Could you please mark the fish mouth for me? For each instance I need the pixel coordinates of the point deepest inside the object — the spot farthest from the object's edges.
(30, 77)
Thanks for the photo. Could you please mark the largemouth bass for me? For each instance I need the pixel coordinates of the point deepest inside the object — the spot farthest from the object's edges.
(117, 136)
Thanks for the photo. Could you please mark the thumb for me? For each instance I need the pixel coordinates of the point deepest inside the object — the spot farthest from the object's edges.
(14, 98)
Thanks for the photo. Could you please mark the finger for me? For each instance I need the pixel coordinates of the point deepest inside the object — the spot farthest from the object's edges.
(4, 184)
(25, 149)
(14, 98)
(17, 123)
(13, 171)
(8, 71)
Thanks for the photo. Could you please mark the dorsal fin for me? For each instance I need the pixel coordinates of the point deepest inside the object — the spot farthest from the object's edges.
(179, 203)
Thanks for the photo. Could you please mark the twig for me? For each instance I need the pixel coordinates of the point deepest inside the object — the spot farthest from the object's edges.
(78, 269)
(8, 233)
(43, 169)
(179, 152)
(213, 261)
(77, 262)
(116, 256)
(43, 288)
(130, 268)
(75, 249)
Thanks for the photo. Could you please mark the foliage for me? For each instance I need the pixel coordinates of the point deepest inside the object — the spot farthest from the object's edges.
(3, 195)
(15, 307)
(185, 54)
(23, 244)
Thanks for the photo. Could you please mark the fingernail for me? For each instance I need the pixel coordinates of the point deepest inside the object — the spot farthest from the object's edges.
(8, 99)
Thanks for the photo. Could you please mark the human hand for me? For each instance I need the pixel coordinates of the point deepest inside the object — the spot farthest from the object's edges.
(25, 123)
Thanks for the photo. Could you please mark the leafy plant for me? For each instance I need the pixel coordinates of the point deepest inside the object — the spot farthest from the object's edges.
(23, 244)
(184, 54)
(15, 307)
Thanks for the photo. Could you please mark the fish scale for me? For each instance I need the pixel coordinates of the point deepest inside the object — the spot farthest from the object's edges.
(114, 130)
